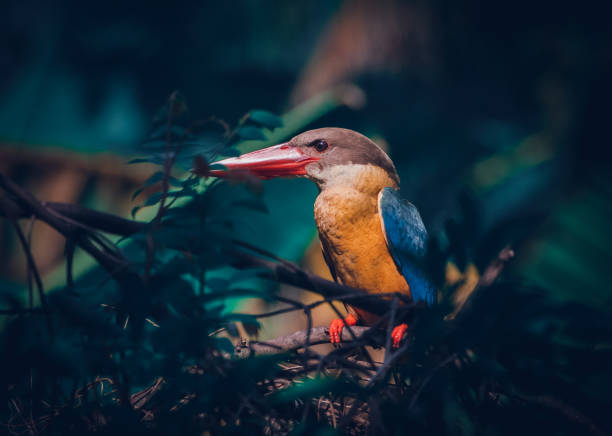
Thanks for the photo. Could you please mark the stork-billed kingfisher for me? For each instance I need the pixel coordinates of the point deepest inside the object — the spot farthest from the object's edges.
(370, 237)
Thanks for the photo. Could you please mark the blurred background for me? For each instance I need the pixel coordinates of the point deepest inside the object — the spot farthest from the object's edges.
(496, 116)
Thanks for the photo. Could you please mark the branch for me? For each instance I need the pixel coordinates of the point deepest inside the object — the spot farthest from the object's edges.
(34, 270)
(22, 203)
(283, 272)
(104, 222)
(495, 268)
(294, 276)
(294, 341)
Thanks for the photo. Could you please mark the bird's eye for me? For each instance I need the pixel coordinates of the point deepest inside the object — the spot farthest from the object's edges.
(320, 145)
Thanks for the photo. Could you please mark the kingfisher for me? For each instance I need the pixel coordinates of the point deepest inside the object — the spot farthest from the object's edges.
(371, 238)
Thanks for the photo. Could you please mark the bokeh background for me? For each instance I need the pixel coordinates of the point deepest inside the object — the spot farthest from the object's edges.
(496, 115)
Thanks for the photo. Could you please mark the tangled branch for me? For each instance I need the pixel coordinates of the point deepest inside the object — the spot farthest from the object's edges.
(85, 227)
(79, 223)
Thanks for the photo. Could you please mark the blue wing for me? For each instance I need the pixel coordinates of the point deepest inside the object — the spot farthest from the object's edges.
(407, 241)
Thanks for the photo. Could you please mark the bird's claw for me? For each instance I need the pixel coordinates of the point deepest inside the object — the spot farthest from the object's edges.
(335, 330)
(336, 326)
(397, 334)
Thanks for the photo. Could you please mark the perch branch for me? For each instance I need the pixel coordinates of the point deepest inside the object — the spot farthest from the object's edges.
(292, 342)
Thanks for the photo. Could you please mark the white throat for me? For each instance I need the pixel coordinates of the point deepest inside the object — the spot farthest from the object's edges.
(359, 177)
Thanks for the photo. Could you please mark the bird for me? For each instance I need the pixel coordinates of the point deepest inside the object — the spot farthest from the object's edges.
(371, 238)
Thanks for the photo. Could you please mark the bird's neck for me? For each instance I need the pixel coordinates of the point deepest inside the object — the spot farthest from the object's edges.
(363, 179)
(347, 190)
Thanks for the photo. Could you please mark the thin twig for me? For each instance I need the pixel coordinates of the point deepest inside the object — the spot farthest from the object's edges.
(35, 273)
(303, 279)
(69, 253)
(266, 253)
(283, 272)
(26, 201)
(388, 363)
(390, 327)
(29, 273)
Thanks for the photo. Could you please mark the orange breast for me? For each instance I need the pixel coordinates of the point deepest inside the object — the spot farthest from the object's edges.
(353, 241)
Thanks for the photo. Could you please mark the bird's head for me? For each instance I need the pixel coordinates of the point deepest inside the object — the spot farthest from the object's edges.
(327, 156)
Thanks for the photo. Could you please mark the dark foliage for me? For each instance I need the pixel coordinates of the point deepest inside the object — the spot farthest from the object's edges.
(134, 346)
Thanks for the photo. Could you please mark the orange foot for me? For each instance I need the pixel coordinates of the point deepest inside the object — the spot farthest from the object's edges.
(397, 334)
(336, 326)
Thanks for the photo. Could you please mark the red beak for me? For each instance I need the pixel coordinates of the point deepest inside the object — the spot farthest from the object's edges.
(282, 160)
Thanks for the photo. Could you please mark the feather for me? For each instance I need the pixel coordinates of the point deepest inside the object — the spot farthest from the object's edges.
(406, 238)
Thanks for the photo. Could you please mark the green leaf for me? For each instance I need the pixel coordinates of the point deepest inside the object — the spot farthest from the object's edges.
(157, 177)
(175, 182)
(156, 197)
(250, 133)
(139, 160)
(217, 284)
(137, 192)
(249, 274)
(190, 181)
(152, 159)
(153, 199)
(265, 118)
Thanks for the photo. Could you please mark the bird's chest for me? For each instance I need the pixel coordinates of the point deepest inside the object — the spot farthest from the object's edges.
(353, 241)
